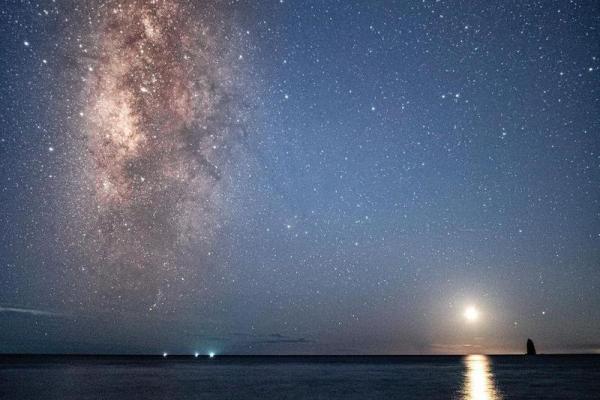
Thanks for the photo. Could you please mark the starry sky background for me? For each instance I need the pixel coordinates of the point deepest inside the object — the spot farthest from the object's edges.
(347, 177)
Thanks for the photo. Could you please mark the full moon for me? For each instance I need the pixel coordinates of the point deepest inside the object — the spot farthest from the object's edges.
(471, 314)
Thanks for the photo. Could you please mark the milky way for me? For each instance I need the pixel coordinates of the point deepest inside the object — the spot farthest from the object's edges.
(160, 116)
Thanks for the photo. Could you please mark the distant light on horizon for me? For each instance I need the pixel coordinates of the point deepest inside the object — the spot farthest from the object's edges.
(165, 354)
(211, 354)
(196, 354)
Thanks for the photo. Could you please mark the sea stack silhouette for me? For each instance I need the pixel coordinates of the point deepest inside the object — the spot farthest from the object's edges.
(530, 348)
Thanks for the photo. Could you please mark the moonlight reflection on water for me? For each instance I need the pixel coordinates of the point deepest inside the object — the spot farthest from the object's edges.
(479, 381)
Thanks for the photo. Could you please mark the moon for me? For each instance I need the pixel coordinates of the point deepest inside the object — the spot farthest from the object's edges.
(471, 314)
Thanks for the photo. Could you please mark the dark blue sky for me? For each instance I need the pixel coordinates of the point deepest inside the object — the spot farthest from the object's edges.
(299, 177)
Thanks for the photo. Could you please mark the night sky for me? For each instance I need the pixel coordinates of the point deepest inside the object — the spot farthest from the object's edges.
(299, 177)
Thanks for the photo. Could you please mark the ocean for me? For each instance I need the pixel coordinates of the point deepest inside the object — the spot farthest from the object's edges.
(299, 377)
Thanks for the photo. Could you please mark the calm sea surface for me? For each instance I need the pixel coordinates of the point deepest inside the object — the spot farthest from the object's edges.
(402, 377)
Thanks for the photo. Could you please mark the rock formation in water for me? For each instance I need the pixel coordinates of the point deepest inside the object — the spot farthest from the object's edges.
(530, 348)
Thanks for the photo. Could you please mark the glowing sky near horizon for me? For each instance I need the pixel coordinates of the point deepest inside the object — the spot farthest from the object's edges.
(299, 177)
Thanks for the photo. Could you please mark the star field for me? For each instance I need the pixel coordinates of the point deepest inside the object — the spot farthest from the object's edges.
(299, 177)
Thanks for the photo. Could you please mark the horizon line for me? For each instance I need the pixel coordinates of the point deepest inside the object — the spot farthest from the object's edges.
(206, 355)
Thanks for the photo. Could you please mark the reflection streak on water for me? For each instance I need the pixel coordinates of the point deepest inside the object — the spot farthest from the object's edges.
(479, 380)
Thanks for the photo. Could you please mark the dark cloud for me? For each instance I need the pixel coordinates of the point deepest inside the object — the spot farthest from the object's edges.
(277, 338)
